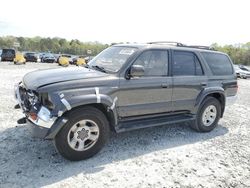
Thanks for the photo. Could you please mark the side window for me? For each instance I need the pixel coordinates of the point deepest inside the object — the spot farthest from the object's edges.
(218, 63)
(155, 62)
(186, 64)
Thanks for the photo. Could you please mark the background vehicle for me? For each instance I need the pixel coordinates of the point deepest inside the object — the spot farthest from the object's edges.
(79, 61)
(8, 55)
(0, 54)
(48, 58)
(127, 87)
(32, 57)
(64, 60)
(242, 72)
(19, 59)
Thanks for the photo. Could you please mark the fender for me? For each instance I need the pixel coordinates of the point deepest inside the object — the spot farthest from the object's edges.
(208, 91)
(77, 101)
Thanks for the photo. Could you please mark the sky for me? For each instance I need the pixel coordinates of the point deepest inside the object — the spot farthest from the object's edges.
(197, 22)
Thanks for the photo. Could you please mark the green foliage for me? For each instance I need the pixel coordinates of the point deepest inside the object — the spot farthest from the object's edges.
(240, 54)
(54, 45)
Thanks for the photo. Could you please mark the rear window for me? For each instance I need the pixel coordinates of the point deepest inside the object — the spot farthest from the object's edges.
(8, 51)
(220, 64)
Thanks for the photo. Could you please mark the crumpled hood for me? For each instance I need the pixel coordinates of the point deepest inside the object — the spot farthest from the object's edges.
(36, 79)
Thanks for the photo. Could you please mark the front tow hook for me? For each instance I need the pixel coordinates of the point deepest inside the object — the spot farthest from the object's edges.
(17, 106)
(22, 120)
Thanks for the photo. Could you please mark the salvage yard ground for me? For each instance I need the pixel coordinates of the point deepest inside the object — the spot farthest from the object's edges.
(154, 157)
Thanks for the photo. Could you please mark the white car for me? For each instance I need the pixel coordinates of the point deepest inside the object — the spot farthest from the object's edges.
(242, 72)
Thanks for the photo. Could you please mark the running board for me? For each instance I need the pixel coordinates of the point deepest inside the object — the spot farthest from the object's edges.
(152, 122)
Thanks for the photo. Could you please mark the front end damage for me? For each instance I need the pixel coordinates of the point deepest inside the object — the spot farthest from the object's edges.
(43, 122)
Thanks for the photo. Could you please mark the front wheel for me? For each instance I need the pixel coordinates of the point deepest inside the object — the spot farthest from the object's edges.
(208, 115)
(84, 135)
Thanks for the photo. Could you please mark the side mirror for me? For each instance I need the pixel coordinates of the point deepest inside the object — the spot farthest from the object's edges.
(136, 71)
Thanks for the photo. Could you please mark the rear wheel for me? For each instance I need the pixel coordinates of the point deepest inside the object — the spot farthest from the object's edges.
(208, 115)
(84, 135)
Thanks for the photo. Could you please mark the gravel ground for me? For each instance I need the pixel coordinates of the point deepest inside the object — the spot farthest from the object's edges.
(167, 156)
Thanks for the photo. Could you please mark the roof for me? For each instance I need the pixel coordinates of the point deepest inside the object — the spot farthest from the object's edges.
(170, 45)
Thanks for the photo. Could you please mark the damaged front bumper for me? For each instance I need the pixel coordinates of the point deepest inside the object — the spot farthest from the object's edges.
(42, 124)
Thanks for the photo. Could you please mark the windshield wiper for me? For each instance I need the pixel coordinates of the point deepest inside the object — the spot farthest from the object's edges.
(96, 67)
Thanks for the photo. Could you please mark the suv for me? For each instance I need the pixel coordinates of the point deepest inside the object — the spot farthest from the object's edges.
(126, 87)
(8, 55)
(32, 57)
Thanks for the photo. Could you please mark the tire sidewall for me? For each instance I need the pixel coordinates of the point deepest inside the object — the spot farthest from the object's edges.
(207, 102)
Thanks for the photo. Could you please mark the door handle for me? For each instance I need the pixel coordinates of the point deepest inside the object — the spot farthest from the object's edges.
(164, 85)
(203, 84)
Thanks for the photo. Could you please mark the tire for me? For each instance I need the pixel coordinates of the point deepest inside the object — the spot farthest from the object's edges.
(93, 117)
(213, 108)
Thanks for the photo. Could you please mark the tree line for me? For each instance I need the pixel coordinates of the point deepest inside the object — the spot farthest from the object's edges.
(240, 53)
(53, 45)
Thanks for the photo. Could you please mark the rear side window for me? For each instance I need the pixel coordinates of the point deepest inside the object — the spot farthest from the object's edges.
(218, 63)
(186, 64)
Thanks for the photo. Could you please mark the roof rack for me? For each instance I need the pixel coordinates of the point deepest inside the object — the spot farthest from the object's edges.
(200, 47)
(182, 45)
(167, 42)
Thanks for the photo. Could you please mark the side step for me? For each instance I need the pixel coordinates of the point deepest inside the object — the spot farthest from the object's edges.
(151, 122)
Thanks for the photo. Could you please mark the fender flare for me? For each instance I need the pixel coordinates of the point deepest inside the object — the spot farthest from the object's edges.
(208, 91)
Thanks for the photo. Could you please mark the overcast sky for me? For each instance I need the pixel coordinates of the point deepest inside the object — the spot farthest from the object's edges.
(188, 21)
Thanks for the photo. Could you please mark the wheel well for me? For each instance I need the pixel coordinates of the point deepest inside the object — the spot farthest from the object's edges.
(109, 115)
(221, 98)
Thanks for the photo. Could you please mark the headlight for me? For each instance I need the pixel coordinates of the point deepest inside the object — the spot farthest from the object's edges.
(46, 101)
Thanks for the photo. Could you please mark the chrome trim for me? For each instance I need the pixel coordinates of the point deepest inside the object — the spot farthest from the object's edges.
(41, 123)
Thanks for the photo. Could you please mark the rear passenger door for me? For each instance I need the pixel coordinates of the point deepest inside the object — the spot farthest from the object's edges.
(188, 79)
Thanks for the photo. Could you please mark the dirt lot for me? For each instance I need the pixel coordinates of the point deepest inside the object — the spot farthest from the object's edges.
(167, 156)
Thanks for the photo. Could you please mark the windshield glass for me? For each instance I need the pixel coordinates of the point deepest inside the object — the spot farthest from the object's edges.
(112, 59)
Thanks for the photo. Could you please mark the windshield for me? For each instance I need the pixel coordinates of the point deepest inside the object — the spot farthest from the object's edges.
(112, 59)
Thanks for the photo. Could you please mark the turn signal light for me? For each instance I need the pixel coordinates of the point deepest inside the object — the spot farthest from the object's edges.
(33, 116)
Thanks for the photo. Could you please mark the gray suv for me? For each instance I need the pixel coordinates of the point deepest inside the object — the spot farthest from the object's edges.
(126, 87)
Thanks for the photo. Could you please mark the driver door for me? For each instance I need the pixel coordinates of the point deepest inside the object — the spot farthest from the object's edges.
(148, 94)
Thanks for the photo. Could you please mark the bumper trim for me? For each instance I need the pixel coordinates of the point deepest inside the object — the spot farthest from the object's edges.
(46, 133)
(37, 131)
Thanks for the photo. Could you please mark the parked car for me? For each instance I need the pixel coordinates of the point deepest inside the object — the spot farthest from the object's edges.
(79, 61)
(242, 72)
(88, 59)
(127, 87)
(32, 57)
(19, 58)
(8, 54)
(48, 58)
(0, 54)
(64, 60)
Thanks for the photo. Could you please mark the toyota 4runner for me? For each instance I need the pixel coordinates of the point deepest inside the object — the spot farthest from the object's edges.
(126, 87)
